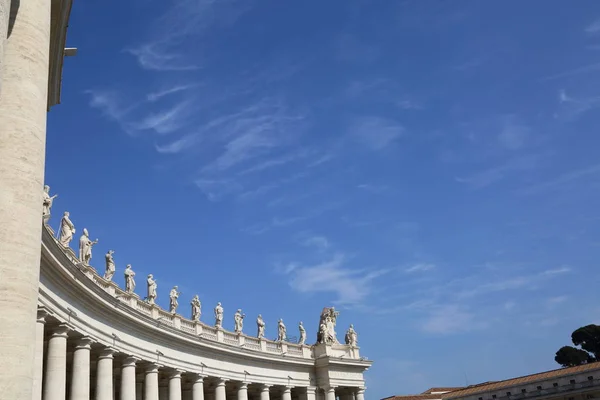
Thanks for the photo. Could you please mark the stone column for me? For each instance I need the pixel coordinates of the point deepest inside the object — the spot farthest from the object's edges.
(23, 103)
(264, 392)
(39, 353)
(330, 393)
(220, 389)
(311, 393)
(80, 375)
(4, 13)
(55, 382)
(360, 394)
(242, 392)
(175, 385)
(104, 375)
(128, 389)
(151, 382)
(287, 393)
(198, 388)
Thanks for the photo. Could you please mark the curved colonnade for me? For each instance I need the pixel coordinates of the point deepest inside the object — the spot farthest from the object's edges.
(97, 341)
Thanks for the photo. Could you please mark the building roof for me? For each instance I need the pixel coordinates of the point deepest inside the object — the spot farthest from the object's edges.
(438, 390)
(492, 386)
(416, 397)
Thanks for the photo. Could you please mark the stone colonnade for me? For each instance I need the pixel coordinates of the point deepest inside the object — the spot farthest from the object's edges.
(91, 371)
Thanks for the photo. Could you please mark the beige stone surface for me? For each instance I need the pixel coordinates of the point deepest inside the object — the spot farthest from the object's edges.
(4, 12)
(22, 145)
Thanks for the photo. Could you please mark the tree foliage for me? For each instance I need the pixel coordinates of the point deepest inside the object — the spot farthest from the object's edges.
(569, 356)
(588, 338)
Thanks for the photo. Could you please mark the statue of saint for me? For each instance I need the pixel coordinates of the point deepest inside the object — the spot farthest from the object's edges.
(327, 322)
(219, 315)
(129, 279)
(67, 230)
(281, 331)
(110, 266)
(196, 308)
(302, 339)
(152, 286)
(85, 247)
(238, 319)
(260, 324)
(47, 203)
(173, 296)
(351, 336)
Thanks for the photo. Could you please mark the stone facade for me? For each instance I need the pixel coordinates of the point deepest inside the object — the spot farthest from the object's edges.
(116, 344)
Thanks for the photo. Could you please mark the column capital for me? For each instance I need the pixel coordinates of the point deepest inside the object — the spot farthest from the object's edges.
(264, 387)
(196, 377)
(361, 390)
(287, 389)
(175, 373)
(42, 314)
(221, 381)
(311, 389)
(60, 330)
(152, 368)
(107, 352)
(329, 388)
(84, 342)
(130, 361)
(243, 385)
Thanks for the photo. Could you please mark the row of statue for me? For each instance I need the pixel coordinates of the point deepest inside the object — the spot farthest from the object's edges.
(327, 322)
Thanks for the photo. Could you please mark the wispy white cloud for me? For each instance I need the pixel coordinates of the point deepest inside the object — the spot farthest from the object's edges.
(154, 96)
(575, 71)
(165, 121)
(593, 28)
(450, 319)
(153, 56)
(563, 180)
(421, 267)
(321, 243)
(376, 132)
(488, 176)
(183, 20)
(513, 135)
(350, 286)
(572, 108)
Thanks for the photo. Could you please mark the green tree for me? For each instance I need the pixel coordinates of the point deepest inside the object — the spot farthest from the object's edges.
(588, 338)
(569, 356)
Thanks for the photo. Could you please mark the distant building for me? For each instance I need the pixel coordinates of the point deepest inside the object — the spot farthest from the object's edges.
(573, 383)
(434, 393)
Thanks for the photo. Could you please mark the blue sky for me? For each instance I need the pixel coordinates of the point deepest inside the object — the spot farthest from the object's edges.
(428, 167)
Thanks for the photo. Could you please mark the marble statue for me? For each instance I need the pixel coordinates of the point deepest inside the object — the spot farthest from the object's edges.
(196, 308)
(260, 323)
(67, 230)
(47, 202)
(173, 296)
(85, 247)
(238, 319)
(351, 336)
(281, 331)
(302, 339)
(219, 315)
(110, 266)
(152, 286)
(322, 332)
(129, 279)
(327, 323)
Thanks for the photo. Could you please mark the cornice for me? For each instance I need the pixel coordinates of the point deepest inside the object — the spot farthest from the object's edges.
(61, 11)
